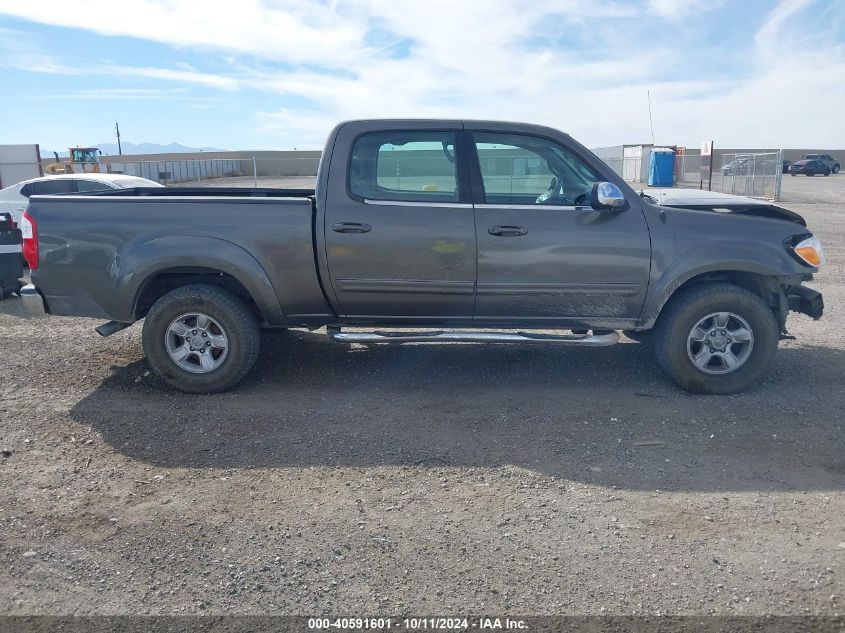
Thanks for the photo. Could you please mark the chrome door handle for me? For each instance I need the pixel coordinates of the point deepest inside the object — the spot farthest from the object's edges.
(507, 231)
(351, 227)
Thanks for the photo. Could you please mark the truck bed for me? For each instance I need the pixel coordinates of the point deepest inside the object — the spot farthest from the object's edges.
(100, 252)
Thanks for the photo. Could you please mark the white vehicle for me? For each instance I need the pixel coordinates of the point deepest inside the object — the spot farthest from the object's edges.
(14, 199)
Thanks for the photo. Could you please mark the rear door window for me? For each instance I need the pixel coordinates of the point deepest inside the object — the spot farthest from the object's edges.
(91, 185)
(414, 166)
(46, 187)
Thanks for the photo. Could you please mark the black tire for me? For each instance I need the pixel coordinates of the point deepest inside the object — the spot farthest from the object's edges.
(684, 311)
(835, 169)
(238, 323)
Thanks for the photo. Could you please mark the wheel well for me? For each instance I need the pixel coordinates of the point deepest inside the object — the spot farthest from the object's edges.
(164, 281)
(764, 286)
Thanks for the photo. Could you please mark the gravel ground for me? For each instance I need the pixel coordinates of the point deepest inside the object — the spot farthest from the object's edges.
(424, 479)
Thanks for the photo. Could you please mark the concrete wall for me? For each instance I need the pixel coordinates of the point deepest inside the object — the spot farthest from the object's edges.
(267, 163)
(17, 163)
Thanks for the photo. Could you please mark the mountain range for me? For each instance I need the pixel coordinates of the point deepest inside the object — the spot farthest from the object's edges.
(110, 149)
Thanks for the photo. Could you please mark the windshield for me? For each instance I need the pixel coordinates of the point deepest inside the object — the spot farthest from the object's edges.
(84, 155)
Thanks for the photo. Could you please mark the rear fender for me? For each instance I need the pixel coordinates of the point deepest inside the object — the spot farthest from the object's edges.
(148, 258)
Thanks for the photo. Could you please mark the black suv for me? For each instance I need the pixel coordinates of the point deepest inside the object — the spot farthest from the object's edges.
(827, 159)
(809, 168)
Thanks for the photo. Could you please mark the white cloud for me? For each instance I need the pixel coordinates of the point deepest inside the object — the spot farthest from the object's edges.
(298, 31)
(578, 65)
(220, 82)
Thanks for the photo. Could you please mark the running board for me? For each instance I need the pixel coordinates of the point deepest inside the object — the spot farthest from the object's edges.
(586, 340)
(109, 328)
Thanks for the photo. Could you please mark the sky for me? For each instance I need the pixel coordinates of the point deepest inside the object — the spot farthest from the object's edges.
(279, 74)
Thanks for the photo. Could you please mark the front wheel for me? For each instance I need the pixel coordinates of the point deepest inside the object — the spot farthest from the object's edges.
(716, 339)
(640, 336)
(835, 169)
(200, 339)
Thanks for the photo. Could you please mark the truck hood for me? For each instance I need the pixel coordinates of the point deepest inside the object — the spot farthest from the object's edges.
(716, 202)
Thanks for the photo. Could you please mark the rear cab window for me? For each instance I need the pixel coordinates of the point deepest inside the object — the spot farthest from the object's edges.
(404, 166)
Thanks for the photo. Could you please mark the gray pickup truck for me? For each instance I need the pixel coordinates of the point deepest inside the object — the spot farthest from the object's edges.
(475, 227)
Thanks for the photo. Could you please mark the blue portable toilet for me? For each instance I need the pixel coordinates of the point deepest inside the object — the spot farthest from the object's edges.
(661, 167)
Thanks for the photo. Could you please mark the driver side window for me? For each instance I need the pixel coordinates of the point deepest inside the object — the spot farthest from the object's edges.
(518, 169)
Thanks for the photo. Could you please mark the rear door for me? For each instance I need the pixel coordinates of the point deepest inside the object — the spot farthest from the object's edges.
(544, 255)
(398, 225)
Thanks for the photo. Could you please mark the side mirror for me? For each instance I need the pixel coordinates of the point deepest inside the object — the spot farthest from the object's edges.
(606, 195)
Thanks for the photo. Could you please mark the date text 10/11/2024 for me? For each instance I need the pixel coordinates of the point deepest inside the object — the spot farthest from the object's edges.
(422, 624)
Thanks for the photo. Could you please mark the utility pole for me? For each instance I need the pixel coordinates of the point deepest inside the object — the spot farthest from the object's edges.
(117, 131)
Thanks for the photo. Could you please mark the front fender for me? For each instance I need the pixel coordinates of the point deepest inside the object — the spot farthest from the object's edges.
(145, 259)
(768, 259)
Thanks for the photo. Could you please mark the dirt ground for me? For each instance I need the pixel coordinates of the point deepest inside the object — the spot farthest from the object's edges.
(425, 479)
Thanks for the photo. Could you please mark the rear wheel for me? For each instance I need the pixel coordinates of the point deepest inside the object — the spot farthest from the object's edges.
(201, 339)
(716, 339)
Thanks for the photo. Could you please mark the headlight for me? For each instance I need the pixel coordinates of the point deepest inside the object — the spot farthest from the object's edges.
(810, 251)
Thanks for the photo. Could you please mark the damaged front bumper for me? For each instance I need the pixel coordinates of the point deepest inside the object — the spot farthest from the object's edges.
(806, 301)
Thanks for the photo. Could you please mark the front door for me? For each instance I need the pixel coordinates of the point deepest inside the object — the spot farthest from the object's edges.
(544, 255)
(400, 232)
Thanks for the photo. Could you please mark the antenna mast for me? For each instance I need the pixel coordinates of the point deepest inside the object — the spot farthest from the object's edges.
(650, 120)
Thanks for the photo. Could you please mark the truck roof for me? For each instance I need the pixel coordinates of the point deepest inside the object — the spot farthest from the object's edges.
(512, 126)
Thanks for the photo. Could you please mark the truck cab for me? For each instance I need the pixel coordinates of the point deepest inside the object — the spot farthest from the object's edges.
(482, 225)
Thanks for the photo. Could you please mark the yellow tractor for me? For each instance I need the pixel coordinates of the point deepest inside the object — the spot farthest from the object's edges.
(80, 160)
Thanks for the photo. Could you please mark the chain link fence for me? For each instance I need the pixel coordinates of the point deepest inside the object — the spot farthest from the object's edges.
(228, 172)
(754, 175)
(751, 175)
(176, 171)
